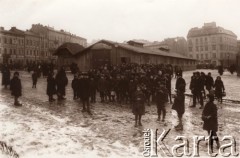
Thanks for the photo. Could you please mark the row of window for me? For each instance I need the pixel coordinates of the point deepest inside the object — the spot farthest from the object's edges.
(214, 55)
(21, 52)
(204, 40)
(206, 48)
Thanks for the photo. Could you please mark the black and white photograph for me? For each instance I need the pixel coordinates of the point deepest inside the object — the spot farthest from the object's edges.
(119, 78)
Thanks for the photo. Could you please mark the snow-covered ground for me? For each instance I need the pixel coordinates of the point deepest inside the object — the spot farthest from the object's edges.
(60, 130)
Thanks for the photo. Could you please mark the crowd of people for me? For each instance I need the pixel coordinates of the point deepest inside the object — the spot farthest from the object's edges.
(131, 84)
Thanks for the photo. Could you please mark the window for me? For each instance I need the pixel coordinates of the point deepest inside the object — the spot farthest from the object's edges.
(5, 40)
(201, 48)
(206, 48)
(196, 41)
(201, 40)
(221, 47)
(197, 56)
(206, 56)
(197, 49)
(10, 51)
(213, 47)
(201, 56)
(214, 55)
(190, 49)
(206, 39)
(14, 51)
(189, 42)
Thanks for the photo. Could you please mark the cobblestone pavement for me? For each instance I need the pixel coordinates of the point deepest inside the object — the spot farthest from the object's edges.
(60, 129)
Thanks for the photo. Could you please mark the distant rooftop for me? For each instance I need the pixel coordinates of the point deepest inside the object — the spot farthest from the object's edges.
(209, 29)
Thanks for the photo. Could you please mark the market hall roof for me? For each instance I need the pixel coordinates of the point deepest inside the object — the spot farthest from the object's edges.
(72, 48)
(141, 50)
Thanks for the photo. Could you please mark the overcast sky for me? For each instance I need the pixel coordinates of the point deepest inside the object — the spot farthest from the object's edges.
(121, 20)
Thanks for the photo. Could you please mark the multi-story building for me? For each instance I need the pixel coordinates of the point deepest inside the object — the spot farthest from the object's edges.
(177, 45)
(34, 45)
(212, 44)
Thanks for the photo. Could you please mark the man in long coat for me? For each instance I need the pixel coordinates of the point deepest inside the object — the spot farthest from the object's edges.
(210, 119)
(61, 82)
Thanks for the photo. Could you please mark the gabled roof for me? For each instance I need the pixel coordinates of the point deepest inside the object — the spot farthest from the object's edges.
(140, 50)
(73, 48)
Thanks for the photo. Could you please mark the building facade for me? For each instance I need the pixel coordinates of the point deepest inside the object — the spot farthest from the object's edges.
(212, 44)
(177, 45)
(35, 45)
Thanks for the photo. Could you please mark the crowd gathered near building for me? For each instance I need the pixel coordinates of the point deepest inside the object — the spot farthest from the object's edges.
(133, 84)
(123, 73)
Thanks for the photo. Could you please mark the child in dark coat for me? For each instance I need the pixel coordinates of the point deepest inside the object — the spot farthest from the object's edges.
(16, 88)
(138, 106)
(179, 105)
(161, 100)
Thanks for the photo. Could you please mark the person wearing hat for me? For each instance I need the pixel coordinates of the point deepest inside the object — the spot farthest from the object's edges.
(210, 120)
(180, 81)
(179, 105)
(161, 100)
(16, 88)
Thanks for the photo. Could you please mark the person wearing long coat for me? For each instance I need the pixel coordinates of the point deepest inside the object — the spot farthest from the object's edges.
(210, 120)
(6, 74)
(161, 100)
(51, 87)
(138, 107)
(179, 105)
(219, 88)
(34, 79)
(16, 88)
(61, 82)
(209, 82)
(84, 92)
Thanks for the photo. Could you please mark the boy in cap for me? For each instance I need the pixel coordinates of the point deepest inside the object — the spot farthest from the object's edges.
(161, 100)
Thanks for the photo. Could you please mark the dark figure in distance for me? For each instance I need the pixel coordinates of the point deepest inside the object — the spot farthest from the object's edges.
(34, 79)
(6, 74)
(16, 88)
(219, 88)
(51, 87)
(220, 70)
(75, 86)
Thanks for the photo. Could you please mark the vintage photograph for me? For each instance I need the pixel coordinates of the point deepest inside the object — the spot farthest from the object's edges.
(119, 78)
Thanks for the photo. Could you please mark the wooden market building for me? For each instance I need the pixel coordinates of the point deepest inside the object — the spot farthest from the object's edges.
(113, 53)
